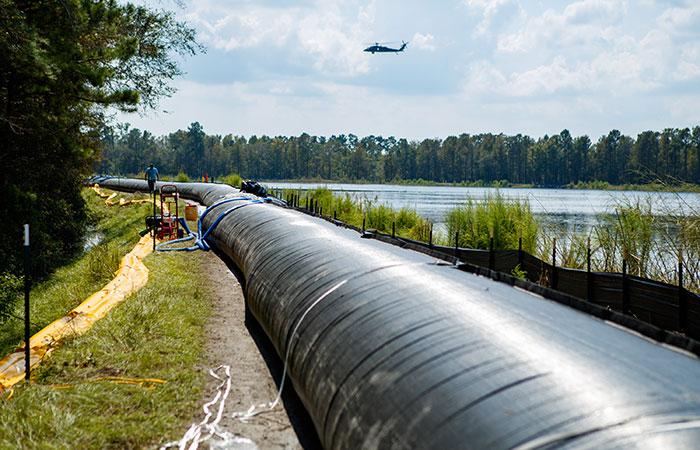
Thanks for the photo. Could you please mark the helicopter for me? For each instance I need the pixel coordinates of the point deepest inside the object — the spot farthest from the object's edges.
(382, 49)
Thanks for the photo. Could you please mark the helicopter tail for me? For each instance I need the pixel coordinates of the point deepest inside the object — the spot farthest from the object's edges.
(403, 45)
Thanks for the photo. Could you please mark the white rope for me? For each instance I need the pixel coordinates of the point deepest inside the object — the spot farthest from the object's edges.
(193, 436)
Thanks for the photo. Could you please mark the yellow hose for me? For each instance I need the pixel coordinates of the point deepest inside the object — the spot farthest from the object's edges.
(131, 276)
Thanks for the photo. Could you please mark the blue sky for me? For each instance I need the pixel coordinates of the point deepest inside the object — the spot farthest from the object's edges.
(471, 66)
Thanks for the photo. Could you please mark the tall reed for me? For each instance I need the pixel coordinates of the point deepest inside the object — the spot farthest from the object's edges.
(494, 215)
(233, 179)
(359, 211)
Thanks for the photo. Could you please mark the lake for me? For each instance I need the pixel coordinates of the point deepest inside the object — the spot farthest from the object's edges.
(575, 209)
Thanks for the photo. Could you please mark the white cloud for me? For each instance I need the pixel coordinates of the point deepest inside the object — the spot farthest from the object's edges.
(681, 21)
(489, 10)
(580, 24)
(424, 41)
(530, 67)
(595, 12)
(323, 30)
(587, 47)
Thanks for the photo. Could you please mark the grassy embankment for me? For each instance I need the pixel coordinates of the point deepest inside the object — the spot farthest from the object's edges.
(157, 333)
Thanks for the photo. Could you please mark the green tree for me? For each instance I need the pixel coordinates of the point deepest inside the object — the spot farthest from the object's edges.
(194, 149)
(63, 63)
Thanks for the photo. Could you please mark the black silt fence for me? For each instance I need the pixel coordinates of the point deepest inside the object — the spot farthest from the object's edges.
(651, 301)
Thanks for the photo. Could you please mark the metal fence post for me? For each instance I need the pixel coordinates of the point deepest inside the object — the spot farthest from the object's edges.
(457, 244)
(589, 275)
(520, 249)
(155, 228)
(625, 291)
(682, 300)
(27, 288)
(554, 264)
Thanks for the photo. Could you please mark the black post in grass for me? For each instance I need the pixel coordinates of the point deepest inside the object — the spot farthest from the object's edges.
(625, 291)
(589, 275)
(520, 249)
(27, 287)
(554, 264)
(457, 244)
(154, 217)
(682, 300)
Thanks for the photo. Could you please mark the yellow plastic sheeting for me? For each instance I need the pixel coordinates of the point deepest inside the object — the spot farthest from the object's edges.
(131, 276)
(148, 383)
(109, 198)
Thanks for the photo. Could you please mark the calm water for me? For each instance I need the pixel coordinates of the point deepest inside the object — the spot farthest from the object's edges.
(575, 209)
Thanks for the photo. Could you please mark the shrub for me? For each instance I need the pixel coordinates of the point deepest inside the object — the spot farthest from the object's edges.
(233, 179)
(477, 220)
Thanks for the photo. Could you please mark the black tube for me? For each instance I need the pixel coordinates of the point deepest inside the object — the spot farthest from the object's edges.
(388, 349)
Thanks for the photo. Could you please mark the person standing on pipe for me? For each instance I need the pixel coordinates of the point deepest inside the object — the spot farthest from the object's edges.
(151, 176)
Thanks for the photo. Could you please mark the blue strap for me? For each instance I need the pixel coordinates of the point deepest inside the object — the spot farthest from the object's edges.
(199, 237)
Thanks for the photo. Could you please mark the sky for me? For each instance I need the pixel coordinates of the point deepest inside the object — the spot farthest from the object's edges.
(282, 68)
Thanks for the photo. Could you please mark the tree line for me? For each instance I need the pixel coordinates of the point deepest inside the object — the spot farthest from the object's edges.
(62, 64)
(672, 154)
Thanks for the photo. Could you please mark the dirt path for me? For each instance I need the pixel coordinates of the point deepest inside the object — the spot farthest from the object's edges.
(256, 370)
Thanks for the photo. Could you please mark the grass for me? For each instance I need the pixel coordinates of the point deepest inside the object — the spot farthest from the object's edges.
(157, 333)
(359, 211)
(648, 243)
(652, 186)
(494, 215)
(72, 284)
(232, 179)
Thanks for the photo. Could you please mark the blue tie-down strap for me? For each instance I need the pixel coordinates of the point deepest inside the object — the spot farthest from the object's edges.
(200, 242)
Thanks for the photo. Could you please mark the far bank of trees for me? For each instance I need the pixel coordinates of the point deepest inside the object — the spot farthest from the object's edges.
(669, 155)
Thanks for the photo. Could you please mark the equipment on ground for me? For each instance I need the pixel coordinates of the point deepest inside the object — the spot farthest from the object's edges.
(167, 223)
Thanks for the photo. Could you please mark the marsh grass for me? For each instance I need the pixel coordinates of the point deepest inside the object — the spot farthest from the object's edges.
(355, 210)
(493, 215)
(233, 179)
(102, 262)
(648, 243)
(157, 333)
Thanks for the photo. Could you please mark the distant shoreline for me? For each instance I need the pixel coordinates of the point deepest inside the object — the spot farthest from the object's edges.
(591, 185)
